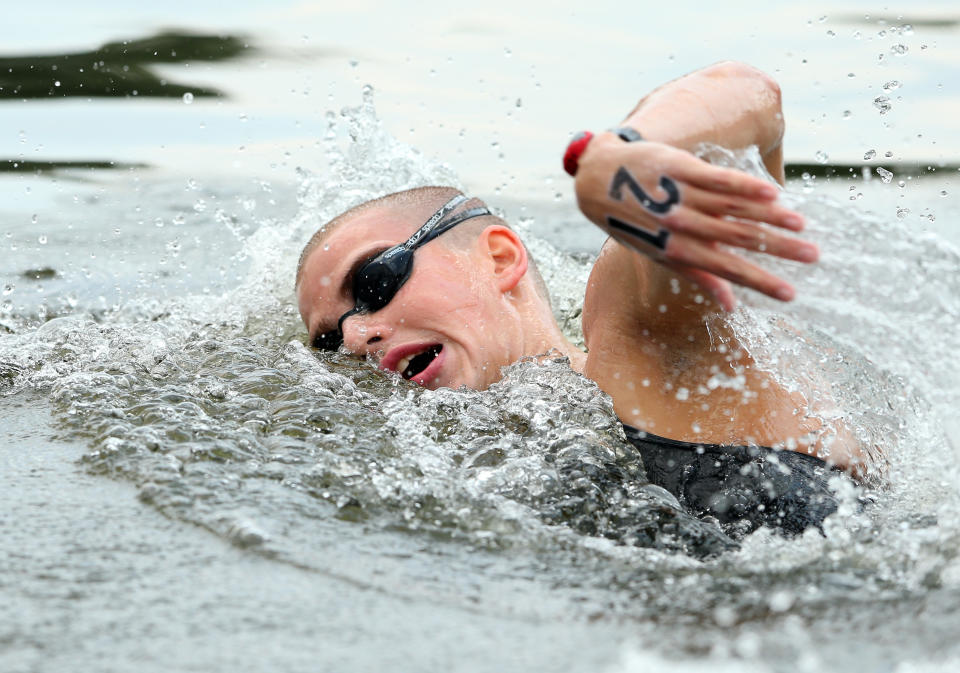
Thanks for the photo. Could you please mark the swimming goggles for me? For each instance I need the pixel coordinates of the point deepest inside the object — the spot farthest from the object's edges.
(378, 280)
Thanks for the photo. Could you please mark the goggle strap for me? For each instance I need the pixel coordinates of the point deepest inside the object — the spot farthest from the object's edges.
(452, 222)
(436, 217)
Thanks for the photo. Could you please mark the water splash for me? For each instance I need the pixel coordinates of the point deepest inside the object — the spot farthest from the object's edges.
(870, 317)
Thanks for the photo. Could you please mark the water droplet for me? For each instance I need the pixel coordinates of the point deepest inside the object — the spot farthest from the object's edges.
(892, 85)
(882, 103)
(884, 174)
(507, 52)
(724, 616)
(42, 239)
(34, 218)
(354, 63)
(781, 601)
(902, 212)
(943, 192)
(899, 49)
(57, 83)
(519, 102)
(847, 114)
(869, 155)
(822, 157)
(187, 98)
(831, 33)
(8, 289)
(888, 154)
(851, 75)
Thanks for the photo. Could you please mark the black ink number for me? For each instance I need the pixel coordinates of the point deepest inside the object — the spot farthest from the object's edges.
(624, 178)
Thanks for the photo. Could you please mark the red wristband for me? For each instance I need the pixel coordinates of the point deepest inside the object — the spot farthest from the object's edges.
(574, 150)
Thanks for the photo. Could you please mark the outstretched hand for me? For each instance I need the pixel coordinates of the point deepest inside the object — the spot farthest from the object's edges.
(688, 215)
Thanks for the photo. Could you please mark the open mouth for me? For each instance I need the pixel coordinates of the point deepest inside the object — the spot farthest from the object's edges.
(411, 366)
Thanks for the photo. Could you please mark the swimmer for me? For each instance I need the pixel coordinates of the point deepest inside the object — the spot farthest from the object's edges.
(432, 286)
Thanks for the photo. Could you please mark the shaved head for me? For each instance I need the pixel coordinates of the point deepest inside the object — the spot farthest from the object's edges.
(417, 205)
(411, 203)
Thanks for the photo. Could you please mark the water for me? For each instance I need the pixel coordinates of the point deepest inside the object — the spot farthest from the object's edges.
(187, 486)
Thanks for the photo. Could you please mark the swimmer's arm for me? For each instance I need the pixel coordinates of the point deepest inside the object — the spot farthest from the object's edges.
(728, 104)
(636, 308)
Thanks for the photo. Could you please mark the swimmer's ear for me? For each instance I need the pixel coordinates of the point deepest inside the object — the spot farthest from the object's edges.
(506, 253)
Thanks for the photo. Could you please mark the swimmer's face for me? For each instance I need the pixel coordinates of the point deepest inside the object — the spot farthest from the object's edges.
(450, 325)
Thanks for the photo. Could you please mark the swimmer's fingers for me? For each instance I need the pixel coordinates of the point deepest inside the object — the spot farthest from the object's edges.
(721, 204)
(690, 221)
(682, 251)
(727, 181)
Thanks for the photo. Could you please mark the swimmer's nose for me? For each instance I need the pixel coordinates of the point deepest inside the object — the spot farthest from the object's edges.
(364, 334)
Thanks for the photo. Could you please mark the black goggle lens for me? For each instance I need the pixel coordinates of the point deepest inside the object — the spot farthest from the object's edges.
(328, 341)
(377, 282)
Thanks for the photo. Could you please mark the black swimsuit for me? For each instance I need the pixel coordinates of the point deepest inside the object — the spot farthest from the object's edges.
(743, 487)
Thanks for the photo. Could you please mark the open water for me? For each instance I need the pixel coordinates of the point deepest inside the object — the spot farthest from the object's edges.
(186, 486)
